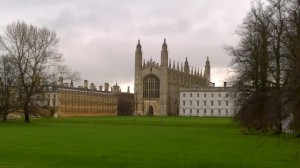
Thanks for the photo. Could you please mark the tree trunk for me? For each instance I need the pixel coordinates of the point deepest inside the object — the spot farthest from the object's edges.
(26, 113)
(4, 117)
(279, 128)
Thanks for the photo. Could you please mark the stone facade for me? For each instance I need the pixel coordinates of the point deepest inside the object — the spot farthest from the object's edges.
(212, 101)
(157, 85)
(85, 101)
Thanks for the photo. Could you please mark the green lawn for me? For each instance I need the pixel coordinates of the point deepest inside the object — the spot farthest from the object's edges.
(141, 142)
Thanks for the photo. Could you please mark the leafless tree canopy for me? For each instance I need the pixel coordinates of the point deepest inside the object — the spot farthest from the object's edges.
(8, 85)
(267, 62)
(33, 52)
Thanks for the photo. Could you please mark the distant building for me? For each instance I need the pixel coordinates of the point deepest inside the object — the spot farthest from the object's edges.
(83, 100)
(157, 85)
(125, 101)
(212, 101)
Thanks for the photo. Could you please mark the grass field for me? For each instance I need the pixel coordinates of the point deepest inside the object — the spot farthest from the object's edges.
(141, 142)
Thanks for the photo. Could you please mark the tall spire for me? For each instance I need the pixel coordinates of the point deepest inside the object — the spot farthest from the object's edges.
(207, 70)
(186, 66)
(138, 46)
(164, 54)
(164, 46)
(138, 55)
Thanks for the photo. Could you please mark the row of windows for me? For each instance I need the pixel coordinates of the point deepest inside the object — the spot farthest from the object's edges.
(78, 97)
(43, 96)
(53, 103)
(211, 95)
(72, 104)
(87, 111)
(212, 111)
(205, 103)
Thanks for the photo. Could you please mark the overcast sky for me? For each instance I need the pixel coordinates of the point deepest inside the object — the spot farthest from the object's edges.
(98, 37)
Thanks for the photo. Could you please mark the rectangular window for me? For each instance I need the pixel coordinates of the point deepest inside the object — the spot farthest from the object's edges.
(191, 110)
(191, 103)
(212, 94)
(54, 96)
(183, 94)
(204, 94)
(219, 94)
(183, 102)
(191, 94)
(226, 94)
(204, 103)
(197, 94)
(212, 103)
(204, 111)
(212, 111)
(198, 111)
(219, 102)
(197, 102)
(183, 110)
(226, 103)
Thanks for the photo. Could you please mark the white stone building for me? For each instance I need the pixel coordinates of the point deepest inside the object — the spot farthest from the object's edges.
(212, 101)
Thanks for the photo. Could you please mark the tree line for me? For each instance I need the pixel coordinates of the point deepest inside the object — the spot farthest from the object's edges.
(266, 62)
(29, 62)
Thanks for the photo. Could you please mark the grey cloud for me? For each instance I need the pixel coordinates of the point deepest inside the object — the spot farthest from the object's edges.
(98, 37)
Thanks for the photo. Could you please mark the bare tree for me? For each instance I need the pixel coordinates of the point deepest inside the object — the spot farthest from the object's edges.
(8, 87)
(34, 53)
(267, 63)
(250, 59)
(292, 76)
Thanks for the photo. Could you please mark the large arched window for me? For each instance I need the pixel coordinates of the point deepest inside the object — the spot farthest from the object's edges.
(151, 87)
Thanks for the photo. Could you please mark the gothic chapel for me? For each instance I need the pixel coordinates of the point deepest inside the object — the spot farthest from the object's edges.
(156, 86)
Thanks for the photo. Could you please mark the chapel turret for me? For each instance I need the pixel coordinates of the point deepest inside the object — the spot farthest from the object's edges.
(164, 54)
(207, 70)
(138, 55)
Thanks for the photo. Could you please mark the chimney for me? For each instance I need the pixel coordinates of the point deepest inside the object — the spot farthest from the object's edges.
(225, 84)
(128, 89)
(92, 87)
(71, 84)
(106, 86)
(61, 81)
(85, 85)
(100, 88)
